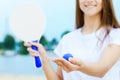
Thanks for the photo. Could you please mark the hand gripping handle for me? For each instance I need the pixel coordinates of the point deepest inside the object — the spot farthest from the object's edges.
(38, 62)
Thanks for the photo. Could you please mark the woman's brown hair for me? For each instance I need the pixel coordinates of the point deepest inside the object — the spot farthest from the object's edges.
(108, 17)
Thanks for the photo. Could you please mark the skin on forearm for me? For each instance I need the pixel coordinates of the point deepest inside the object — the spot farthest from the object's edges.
(59, 73)
(110, 56)
(94, 69)
(49, 71)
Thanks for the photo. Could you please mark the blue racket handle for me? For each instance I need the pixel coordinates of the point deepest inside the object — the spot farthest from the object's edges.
(67, 56)
(38, 62)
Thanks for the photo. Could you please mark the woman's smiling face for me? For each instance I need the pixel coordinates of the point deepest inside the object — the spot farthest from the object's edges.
(91, 7)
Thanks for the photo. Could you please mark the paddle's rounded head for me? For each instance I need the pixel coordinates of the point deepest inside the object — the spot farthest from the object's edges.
(27, 22)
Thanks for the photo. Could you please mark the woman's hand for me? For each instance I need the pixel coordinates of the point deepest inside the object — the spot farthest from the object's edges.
(46, 64)
(68, 66)
(41, 51)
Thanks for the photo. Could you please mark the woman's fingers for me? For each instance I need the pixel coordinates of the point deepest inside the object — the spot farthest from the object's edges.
(66, 65)
(33, 52)
(30, 50)
(71, 65)
(27, 44)
(41, 51)
(75, 61)
(61, 64)
(39, 46)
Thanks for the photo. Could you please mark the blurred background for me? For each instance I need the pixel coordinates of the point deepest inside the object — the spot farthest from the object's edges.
(15, 62)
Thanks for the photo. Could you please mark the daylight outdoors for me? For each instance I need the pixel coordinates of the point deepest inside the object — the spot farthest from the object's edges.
(15, 61)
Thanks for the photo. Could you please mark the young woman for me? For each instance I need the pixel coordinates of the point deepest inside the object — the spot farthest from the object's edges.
(95, 45)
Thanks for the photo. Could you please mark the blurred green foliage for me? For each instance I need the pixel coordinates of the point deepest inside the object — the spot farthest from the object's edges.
(1, 45)
(44, 41)
(22, 49)
(9, 42)
(65, 32)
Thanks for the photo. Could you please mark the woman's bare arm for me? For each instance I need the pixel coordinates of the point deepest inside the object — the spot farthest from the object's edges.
(109, 58)
(59, 73)
(49, 71)
(46, 64)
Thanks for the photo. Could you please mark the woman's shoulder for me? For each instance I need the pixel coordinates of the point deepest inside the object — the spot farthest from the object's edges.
(115, 31)
(115, 36)
(72, 34)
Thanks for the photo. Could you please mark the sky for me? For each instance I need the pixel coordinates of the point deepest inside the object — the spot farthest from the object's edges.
(60, 15)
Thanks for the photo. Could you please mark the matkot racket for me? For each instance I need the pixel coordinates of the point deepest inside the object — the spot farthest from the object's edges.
(28, 24)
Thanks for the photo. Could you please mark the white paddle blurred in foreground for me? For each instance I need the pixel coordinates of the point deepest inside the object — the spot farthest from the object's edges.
(27, 22)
